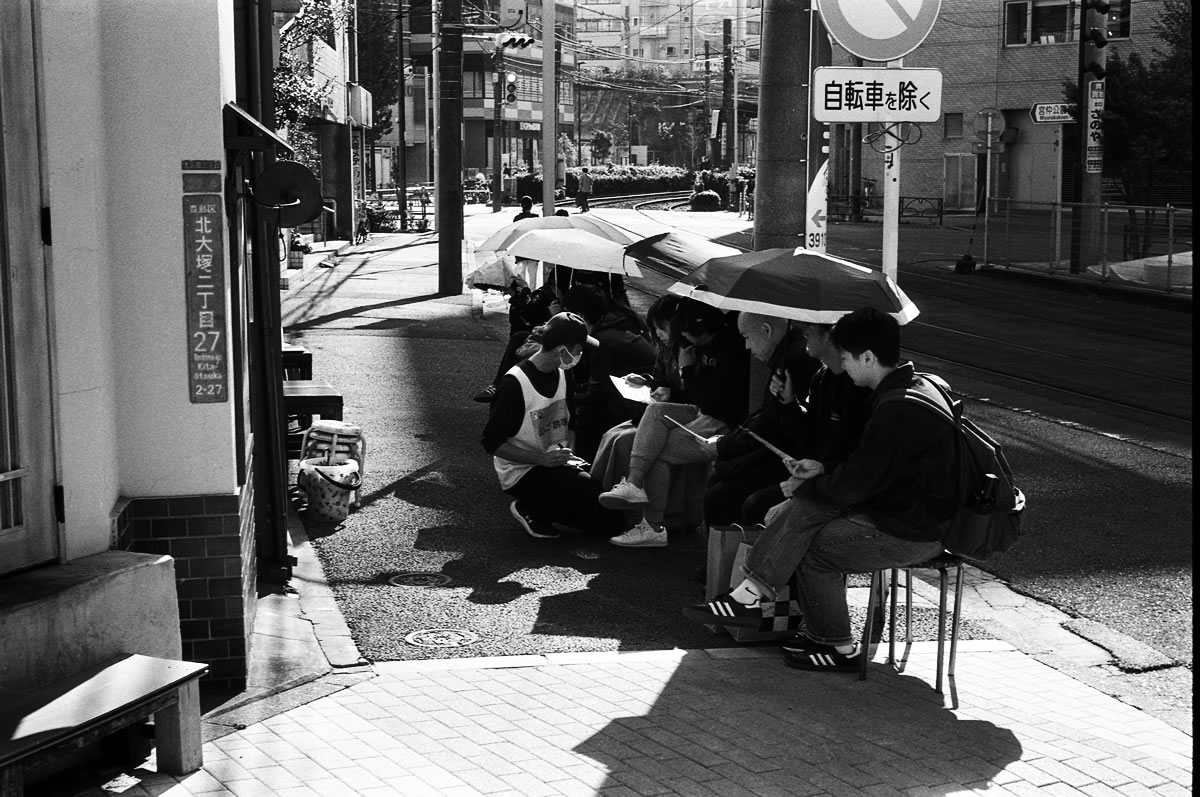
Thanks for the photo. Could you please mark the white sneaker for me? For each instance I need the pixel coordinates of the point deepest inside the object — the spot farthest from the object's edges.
(643, 535)
(623, 495)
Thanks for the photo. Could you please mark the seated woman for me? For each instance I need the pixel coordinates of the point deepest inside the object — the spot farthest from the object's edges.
(611, 463)
(715, 372)
(623, 349)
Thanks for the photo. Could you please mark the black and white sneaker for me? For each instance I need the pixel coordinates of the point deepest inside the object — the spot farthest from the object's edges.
(724, 610)
(533, 527)
(823, 657)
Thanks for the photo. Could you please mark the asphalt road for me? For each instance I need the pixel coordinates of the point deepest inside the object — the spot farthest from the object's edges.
(1107, 532)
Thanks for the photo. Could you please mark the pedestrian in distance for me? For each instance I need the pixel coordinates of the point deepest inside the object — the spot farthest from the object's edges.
(882, 507)
(584, 191)
(529, 435)
(526, 210)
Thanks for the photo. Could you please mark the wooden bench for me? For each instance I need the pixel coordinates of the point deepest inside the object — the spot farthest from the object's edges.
(302, 399)
(37, 726)
(296, 361)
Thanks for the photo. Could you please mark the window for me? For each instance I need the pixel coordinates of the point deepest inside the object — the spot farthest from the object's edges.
(670, 51)
(753, 27)
(953, 125)
(753, 54)
(1033, 22)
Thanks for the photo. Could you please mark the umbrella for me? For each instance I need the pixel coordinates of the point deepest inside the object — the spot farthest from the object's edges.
(676, 251)
(504, 237)
(498, 273)
(798, 284)
(574, 248)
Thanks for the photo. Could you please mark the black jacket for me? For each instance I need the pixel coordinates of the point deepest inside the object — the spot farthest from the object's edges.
(903, 473)
(782, 424)
(718, 381)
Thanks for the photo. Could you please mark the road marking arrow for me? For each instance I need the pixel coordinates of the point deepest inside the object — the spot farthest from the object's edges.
(818, 218)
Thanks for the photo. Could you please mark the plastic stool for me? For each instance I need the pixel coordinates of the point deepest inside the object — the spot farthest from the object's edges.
(336, 442)
(943, 563)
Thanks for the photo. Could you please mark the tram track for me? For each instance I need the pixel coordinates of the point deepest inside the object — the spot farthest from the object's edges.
(1077, 359)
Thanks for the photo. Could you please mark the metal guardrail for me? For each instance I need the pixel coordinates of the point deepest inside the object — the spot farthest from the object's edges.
(911, 207)
(1140, 245)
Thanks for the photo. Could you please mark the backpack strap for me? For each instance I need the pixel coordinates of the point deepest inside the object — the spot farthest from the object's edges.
(938, 399)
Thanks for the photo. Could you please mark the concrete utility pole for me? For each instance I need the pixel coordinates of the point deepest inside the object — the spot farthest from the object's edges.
(784, 116)
(730, 126)
(401, 124)
(549, 112)
(449, 139)
(710, 151)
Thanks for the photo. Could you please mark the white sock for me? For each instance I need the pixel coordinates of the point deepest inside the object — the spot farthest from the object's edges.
(746, 593)
(845, 650)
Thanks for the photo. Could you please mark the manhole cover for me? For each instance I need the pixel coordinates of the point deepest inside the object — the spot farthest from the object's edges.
(441, 638)
(419, 580)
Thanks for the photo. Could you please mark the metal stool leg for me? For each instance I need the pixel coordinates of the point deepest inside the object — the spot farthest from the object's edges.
(941, 647)
(874, 601)
(892, 620)
(958, 593)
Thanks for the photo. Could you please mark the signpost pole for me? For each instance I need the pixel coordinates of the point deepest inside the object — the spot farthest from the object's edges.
(987, 189)
(891, 204)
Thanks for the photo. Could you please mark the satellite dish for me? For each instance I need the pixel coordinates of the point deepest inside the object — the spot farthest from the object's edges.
(292, 189)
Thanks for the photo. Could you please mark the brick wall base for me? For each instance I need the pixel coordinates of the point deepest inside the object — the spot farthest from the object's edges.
(211, 538)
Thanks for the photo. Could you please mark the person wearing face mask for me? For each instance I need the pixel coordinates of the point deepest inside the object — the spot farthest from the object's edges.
(529, 434)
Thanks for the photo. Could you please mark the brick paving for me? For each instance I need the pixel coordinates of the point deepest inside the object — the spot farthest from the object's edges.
(721, 722)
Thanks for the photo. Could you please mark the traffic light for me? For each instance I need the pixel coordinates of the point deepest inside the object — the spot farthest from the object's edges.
(510, 88)
(1093, 37)
(513, 41)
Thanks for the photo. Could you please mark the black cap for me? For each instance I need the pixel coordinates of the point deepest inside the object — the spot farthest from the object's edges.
(566, 329)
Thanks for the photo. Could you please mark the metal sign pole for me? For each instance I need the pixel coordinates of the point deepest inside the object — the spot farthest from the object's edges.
(891, 204)
(987, 190)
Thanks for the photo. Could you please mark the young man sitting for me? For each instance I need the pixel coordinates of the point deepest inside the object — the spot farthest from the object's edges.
(883, 507)
(528, 434)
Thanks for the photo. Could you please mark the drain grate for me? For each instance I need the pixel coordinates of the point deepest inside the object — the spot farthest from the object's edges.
(420, 580)
(442, 638)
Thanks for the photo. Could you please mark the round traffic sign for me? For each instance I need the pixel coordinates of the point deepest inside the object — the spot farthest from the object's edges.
(995, 117)
(879, 31)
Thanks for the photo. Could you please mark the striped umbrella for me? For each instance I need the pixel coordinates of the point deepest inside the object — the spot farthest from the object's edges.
(796, 284)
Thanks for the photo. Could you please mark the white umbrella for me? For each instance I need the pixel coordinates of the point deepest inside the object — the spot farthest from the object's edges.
(576, 249)
(503, 238)
(498, 273)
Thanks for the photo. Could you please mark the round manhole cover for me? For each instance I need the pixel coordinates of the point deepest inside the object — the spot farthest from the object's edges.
(419, 580)
(441, 638)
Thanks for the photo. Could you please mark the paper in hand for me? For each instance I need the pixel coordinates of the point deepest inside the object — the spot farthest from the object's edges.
(639, 393)
(779, 452)
(701, 438)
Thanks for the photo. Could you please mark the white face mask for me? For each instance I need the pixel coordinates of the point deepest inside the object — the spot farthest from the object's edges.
(574, 361)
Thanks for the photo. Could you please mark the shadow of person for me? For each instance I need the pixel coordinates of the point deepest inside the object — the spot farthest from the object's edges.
(759, 725)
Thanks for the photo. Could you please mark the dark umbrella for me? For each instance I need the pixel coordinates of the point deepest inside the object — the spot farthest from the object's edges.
(678, 252)
(798, 284)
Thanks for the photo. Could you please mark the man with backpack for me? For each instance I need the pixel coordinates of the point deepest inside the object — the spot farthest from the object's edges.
(884, 506)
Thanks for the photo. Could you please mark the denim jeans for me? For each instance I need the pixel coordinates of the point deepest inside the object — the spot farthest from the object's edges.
(822, 542)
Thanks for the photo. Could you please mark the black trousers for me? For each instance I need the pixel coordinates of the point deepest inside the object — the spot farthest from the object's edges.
(745, 495)
(569, 496)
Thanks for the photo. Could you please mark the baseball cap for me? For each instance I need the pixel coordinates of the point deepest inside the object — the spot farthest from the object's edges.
(566, 329)
(699, 318)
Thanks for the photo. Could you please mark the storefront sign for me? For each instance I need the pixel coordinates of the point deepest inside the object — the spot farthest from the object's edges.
(204, 284)
(1094, 159)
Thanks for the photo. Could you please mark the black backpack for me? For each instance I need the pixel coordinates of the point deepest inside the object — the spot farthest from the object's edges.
(988, 518)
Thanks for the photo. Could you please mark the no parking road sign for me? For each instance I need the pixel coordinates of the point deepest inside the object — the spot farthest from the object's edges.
(879, 30)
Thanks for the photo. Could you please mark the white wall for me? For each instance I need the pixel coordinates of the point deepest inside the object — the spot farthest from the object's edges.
(131, 89)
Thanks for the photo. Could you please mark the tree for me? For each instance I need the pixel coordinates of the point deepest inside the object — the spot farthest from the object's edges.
(602, 142)
(297, 95)
(379, 61)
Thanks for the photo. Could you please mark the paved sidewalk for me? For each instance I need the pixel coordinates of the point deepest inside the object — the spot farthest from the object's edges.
(1030, 712)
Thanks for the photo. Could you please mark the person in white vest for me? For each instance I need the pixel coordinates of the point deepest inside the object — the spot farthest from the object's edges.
(529, 435)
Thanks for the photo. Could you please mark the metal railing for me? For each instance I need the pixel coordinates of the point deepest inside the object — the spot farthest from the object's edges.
(1140, 245)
